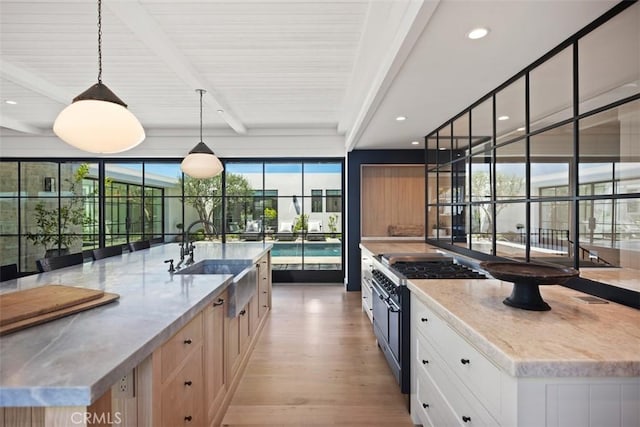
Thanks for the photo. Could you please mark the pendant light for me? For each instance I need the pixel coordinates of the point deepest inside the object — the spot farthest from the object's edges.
(97, 120)
(201, 162)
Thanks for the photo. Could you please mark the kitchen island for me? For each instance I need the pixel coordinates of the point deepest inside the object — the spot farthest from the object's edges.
(69, 364)
(476, 360)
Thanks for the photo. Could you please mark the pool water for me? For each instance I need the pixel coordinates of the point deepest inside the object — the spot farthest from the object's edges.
(310, 249)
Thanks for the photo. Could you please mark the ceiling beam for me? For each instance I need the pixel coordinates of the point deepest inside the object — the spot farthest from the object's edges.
(17, 125)
(29, 80)
(136, 18)
(415, 20)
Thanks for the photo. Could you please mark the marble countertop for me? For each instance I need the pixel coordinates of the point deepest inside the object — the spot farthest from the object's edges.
(574, 339)
(72, 361)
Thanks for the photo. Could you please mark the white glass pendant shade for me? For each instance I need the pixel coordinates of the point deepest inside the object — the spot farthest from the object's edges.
(201, 162)
(99, 122)
(99, 127)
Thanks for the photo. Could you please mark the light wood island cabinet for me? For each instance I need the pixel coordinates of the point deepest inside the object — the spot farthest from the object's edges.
(194, 374)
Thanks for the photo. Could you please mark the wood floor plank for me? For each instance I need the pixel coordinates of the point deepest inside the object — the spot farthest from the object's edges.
(317, 364)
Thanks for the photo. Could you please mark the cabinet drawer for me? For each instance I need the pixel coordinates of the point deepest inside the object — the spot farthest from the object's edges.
(182, 397)
(180, 345)
(462, 402)
(432, 406)
(473, 369)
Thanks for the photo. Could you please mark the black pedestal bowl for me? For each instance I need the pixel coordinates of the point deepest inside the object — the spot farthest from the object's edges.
(526, 277)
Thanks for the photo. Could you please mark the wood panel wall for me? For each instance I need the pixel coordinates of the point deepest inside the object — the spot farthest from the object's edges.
(392, 195)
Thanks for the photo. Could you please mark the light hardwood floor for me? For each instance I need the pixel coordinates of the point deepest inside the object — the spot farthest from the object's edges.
(317, 364)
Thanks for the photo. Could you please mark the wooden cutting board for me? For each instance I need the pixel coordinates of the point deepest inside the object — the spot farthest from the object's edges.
(20, 305)
(105, 298)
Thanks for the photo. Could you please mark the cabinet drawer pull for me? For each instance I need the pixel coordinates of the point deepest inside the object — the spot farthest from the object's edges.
(188, 341)
(188, 383)
(219, 302)
(188, 418)
(466, 419)
(424, 362)
(424, 319)
(465, 361)
(264, 292)
(425, 406)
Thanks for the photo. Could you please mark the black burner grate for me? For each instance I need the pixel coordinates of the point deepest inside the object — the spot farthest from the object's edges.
(435, 270)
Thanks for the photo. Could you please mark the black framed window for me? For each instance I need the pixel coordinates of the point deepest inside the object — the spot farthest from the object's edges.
(316, 200)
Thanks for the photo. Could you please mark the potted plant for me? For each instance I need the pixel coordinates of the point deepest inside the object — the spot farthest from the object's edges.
(332, 224)
(57, 227)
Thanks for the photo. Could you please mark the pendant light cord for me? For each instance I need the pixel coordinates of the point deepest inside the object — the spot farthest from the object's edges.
(201, 92)
(99, 41)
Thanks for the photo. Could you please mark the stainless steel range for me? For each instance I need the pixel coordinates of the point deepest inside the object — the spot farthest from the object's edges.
(391, 306)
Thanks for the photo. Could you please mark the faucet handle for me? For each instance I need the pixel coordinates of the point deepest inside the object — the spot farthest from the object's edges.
(171, 268)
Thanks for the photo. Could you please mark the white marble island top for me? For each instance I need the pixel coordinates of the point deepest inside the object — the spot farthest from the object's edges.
(72, 361)
(574, 339)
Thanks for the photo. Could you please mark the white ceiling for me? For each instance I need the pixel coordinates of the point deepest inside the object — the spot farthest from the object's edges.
(293, 77)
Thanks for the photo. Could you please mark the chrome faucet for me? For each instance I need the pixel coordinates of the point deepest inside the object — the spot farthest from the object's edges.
(187, 247)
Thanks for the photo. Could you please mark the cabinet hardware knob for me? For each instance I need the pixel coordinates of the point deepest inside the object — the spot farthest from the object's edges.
(188, 383)
(465, 361)
(188, 341)
(425, 406)
(371, 309)
(364, 297)
(424, 362)
(188, 418)
(466, 419)
(424, 319)
(265, 306)
(243, 312)
(219, 302)
(264, 292)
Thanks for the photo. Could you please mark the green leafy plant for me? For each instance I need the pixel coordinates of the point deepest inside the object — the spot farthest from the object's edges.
(332, 223)
(55, 226)
(301, 223)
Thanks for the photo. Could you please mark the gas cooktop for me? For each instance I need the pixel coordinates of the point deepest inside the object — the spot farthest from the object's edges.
(444, 269)
(434, 265)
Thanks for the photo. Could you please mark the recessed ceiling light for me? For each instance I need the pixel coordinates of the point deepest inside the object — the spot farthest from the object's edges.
(401, 118)
(477, 33)
(503, 118)
(220, 111)
(442, 148)
(415, 142)
(10, 102)
(520, 129)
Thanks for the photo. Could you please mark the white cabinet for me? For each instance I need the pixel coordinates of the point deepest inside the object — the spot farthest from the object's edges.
(365, 285)
(454, 384)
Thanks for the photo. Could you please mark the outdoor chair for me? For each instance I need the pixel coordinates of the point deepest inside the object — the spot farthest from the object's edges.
(253, 231)
(314, 232)
(285, 232)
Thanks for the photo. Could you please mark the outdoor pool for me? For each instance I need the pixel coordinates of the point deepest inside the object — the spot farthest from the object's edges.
(310, 249)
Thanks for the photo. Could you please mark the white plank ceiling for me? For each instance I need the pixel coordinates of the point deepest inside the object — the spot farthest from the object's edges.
(287, 77)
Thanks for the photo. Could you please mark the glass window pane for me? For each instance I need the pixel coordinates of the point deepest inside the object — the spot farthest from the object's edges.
(8, 179)
(482, 126)
(443, 230)
(511, 234)
(609, 61)
(445, 145)
(511, 171)
(551, 91)
(461, 135)
(284, 177)
(551, 157)
(482, 227)
(550, 232)
(481, 177)
(510, 111)
(459, 225)
(39, 179)
(8, 215)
